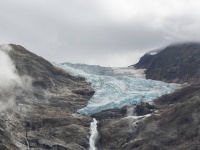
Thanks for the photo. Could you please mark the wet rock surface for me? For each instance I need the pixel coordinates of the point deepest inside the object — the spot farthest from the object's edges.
(43, 115)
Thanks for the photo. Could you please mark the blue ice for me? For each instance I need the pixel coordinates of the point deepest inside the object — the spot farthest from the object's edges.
(114, 91)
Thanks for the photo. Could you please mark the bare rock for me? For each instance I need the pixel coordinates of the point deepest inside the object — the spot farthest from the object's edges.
(178, 63)
(43, 114)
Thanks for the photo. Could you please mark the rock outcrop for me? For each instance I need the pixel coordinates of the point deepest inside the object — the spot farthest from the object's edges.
(177, 63)
(43, 111)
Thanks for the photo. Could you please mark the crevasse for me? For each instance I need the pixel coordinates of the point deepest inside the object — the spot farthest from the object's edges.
(116, 90)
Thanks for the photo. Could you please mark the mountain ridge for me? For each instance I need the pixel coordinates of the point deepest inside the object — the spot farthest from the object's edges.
(176, 63)
(42, 109)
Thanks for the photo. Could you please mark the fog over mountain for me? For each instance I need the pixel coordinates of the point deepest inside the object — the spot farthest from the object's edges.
(108, 33)
(99, 75)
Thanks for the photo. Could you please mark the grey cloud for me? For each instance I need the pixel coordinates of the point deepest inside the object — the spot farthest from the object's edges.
(82, 31)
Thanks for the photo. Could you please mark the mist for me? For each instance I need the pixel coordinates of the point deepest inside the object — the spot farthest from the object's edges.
(8, 74)
(11, 84)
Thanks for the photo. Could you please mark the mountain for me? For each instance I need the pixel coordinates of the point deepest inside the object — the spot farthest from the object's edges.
(178, 63)
(38, 108)
(146, 60)
(68, 106)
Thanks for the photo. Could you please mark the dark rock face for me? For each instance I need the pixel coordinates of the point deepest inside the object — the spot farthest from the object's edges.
(145, 61)
(44, 116)
(176, 63)
(175, 126)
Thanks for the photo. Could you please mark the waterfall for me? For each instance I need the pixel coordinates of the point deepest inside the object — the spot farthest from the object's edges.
(93, 134)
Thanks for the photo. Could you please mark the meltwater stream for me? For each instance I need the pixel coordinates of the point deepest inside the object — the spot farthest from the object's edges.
(117, 87)
(93, 134)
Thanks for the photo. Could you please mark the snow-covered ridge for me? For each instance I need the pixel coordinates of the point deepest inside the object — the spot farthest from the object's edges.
(117, 89)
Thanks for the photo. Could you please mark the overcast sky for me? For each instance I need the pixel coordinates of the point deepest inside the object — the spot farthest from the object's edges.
(104, 32)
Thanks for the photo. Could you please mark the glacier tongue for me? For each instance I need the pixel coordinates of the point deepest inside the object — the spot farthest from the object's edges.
(115, 91)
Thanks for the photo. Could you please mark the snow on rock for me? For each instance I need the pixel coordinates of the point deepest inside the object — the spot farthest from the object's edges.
(153, 53)
(117, 90)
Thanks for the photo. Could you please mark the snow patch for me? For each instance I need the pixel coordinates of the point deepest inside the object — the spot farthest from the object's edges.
(138, 117)
(152, 53)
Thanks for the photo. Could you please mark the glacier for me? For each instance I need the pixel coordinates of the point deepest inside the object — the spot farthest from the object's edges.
(116, 90)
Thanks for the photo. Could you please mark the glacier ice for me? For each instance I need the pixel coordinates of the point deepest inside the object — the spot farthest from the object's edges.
(92, 69)
(116, 90)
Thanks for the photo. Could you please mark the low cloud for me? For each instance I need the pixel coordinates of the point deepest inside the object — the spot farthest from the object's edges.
(8, 73)
(100, 31)
(11, 84)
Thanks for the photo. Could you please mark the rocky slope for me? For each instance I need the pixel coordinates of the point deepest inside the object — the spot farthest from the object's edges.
(173, 122)
(176, 63)
(38, 108)
(41, 113)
